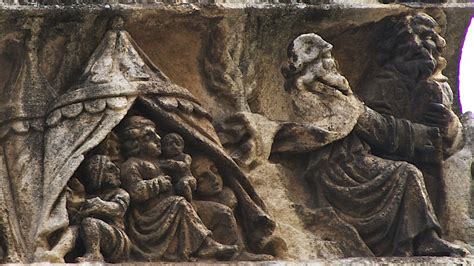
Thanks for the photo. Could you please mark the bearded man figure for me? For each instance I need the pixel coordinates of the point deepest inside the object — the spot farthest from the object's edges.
(384, 200)
(408, 83)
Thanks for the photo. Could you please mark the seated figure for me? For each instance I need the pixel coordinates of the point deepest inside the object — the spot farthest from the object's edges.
(96, 215)
(102, 226)
(346, 144)
(215, 203)
(385, 200)
(160, 224)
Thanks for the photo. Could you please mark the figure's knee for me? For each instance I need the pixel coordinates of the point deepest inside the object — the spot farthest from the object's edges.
(91, 225)
(411, 172)
(89, 222)
(225, 215)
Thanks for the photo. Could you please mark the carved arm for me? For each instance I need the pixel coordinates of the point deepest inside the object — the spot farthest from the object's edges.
(113, 208)
(399, 137)
(139, 189)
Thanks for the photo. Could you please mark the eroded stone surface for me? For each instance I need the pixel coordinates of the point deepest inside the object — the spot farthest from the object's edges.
(239, 176)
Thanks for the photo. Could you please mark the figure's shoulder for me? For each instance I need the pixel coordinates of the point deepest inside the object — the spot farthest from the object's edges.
(114, 193)
(227, 197)
(130, 162)
(134, 162)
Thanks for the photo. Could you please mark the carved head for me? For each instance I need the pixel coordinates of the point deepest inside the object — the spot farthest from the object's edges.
(110, 146)
(209, 181)
(173, 145)
(100, 172)
(414, 45)
(310, 60)
(139, 138)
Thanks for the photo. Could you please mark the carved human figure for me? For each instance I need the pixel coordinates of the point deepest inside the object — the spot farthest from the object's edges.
(385, 200)
(178, 165)
(102, 226)
(408, 83)
(107, 92)
(96, 215)
(161, 225)
(216, 203)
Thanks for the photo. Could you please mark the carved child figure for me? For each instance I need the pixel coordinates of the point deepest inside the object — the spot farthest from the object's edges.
(102, 228)
(215, 205)
(178, 165)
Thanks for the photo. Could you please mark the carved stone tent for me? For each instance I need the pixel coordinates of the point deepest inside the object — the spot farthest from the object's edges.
(118, 76)
(264, 137)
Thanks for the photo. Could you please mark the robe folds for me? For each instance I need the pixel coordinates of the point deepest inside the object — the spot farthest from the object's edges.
(160, 225)
(385, 200)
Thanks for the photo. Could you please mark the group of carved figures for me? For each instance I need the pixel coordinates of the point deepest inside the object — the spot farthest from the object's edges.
(150, 190)
(133, 169)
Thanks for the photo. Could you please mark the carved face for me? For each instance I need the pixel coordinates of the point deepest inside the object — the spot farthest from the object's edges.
(420, 46)
(330, 74)
(150, 141)
(209, 181)
(310, 57)
(173, 145)
(111, 174)
(306, 48)
(101, 172)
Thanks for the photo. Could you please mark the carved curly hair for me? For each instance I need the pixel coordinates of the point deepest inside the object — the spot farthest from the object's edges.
(131, 132)
(404, 33)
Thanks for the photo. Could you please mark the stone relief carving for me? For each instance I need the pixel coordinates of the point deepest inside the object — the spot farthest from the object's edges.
(364, 160)
(411, 1)
(409, 84)
(104, 177)
(128, 166)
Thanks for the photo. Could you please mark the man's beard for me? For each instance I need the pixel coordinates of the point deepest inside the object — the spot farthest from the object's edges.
(331, 77)
(415, 61)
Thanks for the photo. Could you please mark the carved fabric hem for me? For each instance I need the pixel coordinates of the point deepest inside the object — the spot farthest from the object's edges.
(386, 201)
(166, 229)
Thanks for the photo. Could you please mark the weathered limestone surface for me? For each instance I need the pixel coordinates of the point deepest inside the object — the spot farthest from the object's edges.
(229, 57)
(459, 173)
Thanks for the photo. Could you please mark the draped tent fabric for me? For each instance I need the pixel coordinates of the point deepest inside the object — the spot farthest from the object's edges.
(78, 121)
(66, 142)
(117, 73)
(23, 104)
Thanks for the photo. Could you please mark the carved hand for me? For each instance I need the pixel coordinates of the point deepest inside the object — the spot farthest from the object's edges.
(442, 117)
(428, 142)
(181, 165)
(438, 115)
(185, 187)
(238, 137)
(91, 206)
(164, 183)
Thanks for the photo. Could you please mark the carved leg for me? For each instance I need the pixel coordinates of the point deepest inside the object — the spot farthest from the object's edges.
(65, 244)
(91, 234)
(221, 221)
(430, 244)
(215, 250)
